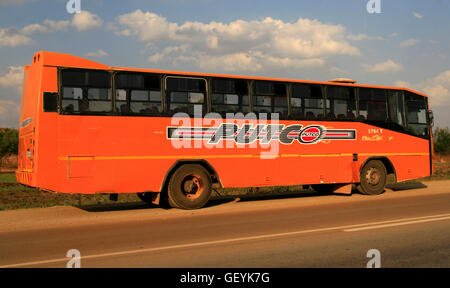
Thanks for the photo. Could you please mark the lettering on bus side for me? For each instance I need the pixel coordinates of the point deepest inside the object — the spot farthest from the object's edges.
(264, 133)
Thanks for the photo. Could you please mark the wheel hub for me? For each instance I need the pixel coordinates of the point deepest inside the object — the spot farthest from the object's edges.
(192, 187)
(373, 176)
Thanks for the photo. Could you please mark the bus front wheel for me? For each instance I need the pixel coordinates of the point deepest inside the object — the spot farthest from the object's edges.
(373, 178)
(189, 187)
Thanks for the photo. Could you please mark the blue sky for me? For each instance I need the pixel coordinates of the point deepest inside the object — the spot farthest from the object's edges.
(407, 44)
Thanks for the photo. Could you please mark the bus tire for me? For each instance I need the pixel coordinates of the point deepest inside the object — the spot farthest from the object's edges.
(189, 187)
(372, 178)
(323, 188)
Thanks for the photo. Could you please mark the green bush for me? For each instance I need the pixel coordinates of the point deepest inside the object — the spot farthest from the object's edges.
(442, 140)
(9, 141)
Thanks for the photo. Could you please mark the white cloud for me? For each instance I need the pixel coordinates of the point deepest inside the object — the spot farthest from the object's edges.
(393, 35)
(254, 62)
(86, 20)
(11, 81)
(417, 15)
(362, 36)
(437, 88)
(13, 78)
(409, 43)
(12, 37)
(97, 54)
(47, 26)
(337, 71)
(388, 66)
(238, 45)
(402, 84)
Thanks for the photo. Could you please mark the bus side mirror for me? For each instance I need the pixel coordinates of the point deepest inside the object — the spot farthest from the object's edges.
(431, 117)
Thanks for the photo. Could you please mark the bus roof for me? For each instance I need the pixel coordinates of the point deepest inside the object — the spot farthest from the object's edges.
(66, 60)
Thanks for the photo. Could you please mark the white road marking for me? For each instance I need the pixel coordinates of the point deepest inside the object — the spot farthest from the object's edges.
(347, 228)
(396, 224)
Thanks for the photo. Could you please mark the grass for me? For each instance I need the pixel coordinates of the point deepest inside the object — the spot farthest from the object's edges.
(7, 178)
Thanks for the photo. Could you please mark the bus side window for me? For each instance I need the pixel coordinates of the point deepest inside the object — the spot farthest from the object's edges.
(70, 98)
(99, 100)
(372, 105)
(314, 103)
(270, 97)
(138, 93)
(341, 104)
(185, 95)
(86, 91)
(121, 101)
(229, 96)
(298, 94)
(396, 109)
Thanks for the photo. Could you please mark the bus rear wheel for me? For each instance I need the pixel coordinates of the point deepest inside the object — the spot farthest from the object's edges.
(373, 178)
(189, 187)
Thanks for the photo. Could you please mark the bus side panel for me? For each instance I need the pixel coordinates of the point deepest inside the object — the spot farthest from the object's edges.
(144, 155)
(107, 154)
(411, 167)
(257, 172)
(133, 176)
(85, 153)
(104, 154)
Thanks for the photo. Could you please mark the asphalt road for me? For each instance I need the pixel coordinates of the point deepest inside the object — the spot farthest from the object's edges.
(402, 228)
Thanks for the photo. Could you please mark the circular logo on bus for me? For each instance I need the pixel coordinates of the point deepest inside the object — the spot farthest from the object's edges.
(310, 134)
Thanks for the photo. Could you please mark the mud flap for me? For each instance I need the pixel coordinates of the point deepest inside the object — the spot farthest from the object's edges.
(156, 197)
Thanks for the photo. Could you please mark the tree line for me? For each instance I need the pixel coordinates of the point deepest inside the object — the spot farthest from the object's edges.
(9, 141)
(441, 137)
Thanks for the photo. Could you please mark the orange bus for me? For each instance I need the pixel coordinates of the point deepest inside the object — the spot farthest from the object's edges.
(173, 136)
